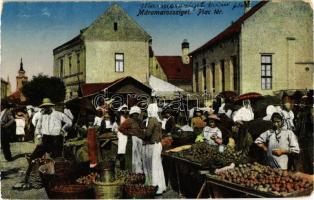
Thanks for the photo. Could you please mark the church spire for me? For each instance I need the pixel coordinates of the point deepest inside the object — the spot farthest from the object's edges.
(21, 66)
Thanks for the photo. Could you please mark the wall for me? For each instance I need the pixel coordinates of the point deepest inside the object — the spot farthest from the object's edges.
(155, 69)
(100, 60)
(71, 79)
(286, 31)
(223, 51)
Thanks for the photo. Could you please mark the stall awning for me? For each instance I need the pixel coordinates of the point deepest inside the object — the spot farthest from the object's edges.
(161, 87)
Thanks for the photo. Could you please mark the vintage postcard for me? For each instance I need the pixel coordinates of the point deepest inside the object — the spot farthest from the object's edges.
(156, 99)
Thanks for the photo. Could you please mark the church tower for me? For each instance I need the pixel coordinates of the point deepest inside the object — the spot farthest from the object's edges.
(21, 78)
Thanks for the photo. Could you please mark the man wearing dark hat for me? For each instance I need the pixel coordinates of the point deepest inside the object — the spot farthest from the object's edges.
(7, 128)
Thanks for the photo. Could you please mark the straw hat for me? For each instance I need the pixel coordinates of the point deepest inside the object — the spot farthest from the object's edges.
(46, 102)
(213, 116)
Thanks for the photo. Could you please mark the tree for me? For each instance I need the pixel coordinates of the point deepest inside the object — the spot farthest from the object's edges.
(42, 86)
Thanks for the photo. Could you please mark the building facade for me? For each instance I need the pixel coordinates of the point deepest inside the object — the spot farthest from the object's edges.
(269, 48)
(176, 70)
(112, 47)
(5, 88)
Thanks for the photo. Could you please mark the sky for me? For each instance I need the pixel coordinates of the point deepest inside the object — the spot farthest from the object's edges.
(31, 30)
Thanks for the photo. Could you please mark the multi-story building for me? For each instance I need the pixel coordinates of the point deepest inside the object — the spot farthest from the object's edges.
(5, 88)
(269, 48)
(176, 70)
(112, 47)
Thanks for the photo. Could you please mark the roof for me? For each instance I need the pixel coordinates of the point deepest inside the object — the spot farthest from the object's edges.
(232, 29)
(174, 68)
(90, 89)
(15, 95)
(68, 44)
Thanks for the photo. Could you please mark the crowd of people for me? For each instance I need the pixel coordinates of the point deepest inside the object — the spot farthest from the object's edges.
(140, 131)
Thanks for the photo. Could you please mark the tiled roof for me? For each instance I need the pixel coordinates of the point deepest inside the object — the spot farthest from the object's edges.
(174, 68)
(232, 29)
(92, 88)
(15, 95)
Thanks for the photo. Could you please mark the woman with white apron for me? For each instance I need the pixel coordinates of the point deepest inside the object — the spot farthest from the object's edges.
(131, 127)
(152, 148)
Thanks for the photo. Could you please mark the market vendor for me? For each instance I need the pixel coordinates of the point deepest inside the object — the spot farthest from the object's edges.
(152, 148)
(122, 115)
(170, 125)
(197, 122)
(132, 127)
(211, 132)
(245, 113)
(281, 143)
(240, 138)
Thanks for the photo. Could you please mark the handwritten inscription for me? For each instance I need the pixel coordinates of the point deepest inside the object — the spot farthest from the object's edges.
(187, 8)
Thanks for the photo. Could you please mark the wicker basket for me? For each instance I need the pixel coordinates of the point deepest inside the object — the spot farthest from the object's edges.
(140, 191)
(72, 191)
(111, 190)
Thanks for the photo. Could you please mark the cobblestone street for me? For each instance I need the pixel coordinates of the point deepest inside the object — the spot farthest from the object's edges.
(13, 172)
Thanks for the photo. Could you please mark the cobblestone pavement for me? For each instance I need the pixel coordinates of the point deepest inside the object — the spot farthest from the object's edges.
(13, 172)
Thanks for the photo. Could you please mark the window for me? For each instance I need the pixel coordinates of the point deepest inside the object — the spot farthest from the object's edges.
(70, 65)
(266, 72)
(115, 26)
(78, 62)
(61, 68)
(196, 77)
(119, 62)
(204, 73)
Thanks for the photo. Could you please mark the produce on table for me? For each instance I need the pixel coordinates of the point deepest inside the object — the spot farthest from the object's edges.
(266, 178)
(210, 155)
(180, 148)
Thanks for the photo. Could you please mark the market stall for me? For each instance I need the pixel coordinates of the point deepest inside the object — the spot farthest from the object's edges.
(255, 180)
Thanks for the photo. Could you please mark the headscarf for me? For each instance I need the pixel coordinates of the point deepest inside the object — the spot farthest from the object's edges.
(152, 111)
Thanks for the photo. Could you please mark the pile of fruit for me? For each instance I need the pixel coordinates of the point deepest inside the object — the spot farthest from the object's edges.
(266, 179)
(140, 191)
(86, 180)
(122, 174)
(135, 179)
(210, 155)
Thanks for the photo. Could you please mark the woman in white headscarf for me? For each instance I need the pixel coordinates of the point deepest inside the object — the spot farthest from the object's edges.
(152, 148)
(245, 113)
(132, 128)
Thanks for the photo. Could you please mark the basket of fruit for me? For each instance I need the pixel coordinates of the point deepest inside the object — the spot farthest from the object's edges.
(139, 191)
(135, 179)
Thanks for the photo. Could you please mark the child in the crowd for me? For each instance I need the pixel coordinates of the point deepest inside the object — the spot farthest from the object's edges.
(211, 132)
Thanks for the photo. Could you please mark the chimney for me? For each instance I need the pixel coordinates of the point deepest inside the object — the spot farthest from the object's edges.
(247, 5)
(185, 51)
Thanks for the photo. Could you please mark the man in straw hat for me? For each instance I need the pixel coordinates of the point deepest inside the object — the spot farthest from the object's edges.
(49, 128)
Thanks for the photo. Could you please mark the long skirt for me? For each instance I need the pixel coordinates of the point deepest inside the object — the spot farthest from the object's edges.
(153, 168)
(137, 165)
